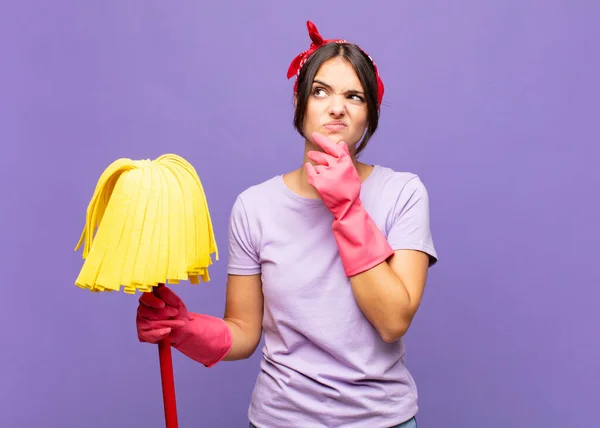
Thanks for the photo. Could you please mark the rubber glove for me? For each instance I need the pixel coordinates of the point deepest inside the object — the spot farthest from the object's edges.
(201, 337)
(360, 242)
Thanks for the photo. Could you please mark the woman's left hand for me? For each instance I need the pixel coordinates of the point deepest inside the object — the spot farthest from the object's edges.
(334, 176)
(360, 242)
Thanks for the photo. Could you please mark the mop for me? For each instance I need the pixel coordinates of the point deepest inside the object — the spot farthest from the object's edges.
(148, 224)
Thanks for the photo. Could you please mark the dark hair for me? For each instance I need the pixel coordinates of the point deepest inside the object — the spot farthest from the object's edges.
(366, 74)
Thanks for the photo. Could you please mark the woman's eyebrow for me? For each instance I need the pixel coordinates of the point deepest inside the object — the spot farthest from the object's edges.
(328, 86)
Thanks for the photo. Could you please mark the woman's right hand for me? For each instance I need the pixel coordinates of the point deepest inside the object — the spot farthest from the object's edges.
(158, 314)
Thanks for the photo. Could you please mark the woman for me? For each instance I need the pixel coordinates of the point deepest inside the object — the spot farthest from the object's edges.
(328, 261)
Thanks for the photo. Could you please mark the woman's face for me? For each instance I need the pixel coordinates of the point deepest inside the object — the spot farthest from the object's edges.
(337, 107)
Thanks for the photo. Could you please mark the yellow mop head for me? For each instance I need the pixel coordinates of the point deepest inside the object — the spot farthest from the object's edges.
(152, 226)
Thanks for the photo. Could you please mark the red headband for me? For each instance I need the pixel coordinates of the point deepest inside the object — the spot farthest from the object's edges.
(317, 42)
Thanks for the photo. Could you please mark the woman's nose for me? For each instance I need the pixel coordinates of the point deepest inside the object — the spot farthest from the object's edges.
(337, 106)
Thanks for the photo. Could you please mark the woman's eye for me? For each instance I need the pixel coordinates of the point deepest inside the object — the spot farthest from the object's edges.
(318, 92)
(355, 97)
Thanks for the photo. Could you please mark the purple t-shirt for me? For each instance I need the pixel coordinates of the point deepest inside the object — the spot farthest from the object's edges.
(324, 364)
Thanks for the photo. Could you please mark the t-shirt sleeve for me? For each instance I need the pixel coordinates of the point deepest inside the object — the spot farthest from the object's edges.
(243, 256)
(410, 228)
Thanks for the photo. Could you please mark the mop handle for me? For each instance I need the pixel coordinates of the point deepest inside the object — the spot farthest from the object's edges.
(167, 380)
(168, 383)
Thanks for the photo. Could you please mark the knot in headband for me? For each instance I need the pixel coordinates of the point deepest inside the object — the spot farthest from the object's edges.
(317, 42)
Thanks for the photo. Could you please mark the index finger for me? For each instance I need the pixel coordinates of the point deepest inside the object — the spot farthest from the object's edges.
(168, 296)
(326, 144)
(152, 301)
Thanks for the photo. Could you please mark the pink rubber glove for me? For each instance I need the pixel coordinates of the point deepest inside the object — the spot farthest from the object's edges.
(360, 242)
(201, 337)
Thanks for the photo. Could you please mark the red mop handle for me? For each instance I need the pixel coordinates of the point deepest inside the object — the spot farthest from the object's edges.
(167, 380)
(168, 383)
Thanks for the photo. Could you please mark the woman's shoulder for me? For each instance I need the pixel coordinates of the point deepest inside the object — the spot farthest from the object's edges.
(260, 193)
(386, 178)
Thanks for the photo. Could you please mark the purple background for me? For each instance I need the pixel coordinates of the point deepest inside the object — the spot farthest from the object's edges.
(494, 104)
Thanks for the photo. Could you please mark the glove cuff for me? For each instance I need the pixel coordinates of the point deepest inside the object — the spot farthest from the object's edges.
(361, 244)
(204, 339)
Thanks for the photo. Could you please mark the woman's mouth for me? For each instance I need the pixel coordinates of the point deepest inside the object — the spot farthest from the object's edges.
(335, 126)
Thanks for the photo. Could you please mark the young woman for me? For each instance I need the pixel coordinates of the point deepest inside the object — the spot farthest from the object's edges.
(328, 261)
